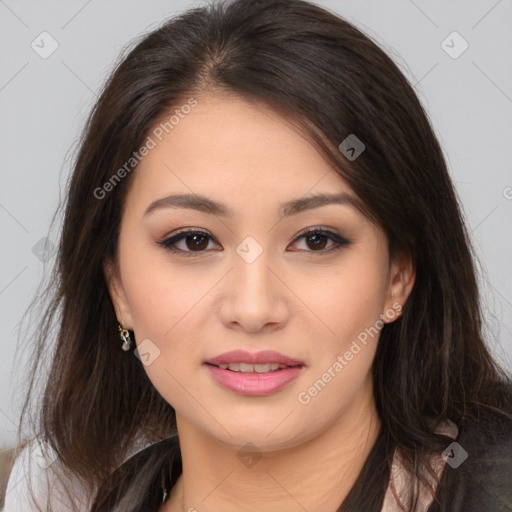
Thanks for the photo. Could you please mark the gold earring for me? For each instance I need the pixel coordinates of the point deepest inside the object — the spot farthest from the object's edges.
(125, 336)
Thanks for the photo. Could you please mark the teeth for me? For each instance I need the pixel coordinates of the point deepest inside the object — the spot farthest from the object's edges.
(252, 368)
(247, 368)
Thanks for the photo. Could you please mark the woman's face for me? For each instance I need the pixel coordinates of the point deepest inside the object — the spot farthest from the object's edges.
(246, 278)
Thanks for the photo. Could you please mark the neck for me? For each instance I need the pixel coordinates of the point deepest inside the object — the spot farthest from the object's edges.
(314, 476)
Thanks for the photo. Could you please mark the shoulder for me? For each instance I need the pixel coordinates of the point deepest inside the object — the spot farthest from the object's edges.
(478, 472)
(32, 476)
(36, 484)
(142, 481)
(17, 494)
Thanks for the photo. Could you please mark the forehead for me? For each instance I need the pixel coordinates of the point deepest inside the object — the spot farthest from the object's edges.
(230, 148)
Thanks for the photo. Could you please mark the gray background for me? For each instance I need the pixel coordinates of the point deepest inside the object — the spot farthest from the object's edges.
(43, 103)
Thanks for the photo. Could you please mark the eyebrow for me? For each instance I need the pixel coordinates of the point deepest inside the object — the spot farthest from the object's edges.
(207, 205)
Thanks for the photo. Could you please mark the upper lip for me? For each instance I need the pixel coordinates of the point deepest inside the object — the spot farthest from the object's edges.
(266, 356)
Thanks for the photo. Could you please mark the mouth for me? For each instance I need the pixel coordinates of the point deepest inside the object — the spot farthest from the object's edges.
(257, 362)
(260, 368)
(258, 374)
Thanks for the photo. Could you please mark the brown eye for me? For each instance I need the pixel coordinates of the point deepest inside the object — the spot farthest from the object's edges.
(194, 242)
(197, 242)
(317, 239)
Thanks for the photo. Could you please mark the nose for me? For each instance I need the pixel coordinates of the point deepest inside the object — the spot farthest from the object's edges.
(255, 296)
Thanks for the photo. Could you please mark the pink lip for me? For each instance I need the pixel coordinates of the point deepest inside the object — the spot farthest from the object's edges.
(241, 356)
(254, 384)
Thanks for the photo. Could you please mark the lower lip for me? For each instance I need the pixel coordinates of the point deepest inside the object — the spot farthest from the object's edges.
(254, 384)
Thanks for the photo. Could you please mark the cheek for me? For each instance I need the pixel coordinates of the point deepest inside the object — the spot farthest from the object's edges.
(167, 310)
(161, 295)
(351, 299)
(349, 304)
(162, 307)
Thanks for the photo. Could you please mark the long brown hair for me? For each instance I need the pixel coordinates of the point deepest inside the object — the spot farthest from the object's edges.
(431, 364)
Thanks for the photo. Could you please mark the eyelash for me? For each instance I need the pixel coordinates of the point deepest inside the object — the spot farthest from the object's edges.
(168, 243)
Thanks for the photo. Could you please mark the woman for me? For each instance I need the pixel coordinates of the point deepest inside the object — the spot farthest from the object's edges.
(253, 373)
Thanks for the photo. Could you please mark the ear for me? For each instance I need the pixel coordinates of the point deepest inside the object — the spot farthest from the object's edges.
(401, 281)
(118, 295)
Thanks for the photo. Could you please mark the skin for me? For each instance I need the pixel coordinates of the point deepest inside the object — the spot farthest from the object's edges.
(294, 298)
